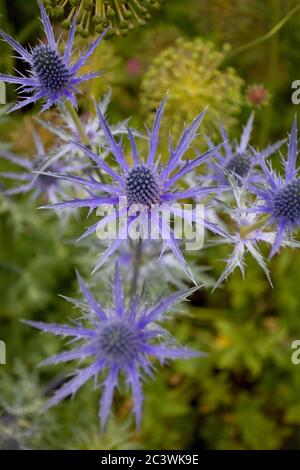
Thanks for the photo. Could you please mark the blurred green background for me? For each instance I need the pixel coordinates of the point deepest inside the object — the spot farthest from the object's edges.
(245, 395)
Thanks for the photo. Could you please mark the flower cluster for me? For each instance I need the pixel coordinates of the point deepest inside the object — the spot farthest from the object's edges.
(28, 179)
(239, 159)
(189, 71)
(121, 174)
(94, 16)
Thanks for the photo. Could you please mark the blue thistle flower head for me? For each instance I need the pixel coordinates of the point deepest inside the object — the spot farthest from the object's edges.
(27, 178)
(52, 76)
(116, 340)
(142, 186)
(239, 165)
(281, 194)
(30, 179)
(245, 236)
(145, 184)
(239, 158)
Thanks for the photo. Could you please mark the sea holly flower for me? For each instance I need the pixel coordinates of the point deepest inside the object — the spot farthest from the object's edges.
(29, 180)
(248, 233)
(51, 76)
(118, 340)
(280, 195)
(144, 189)
(239, 158)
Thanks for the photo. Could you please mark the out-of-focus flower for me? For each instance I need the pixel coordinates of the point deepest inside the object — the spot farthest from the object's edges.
(68, 132)
(239, 158)
(94, 15)
(281, 194)
(118, 436)
(133, 67)
(22, 424)
(52, 76)
(246, 236)
(29, 180)
(155, 266)
(119, 339)
(190, 73)
(257, 95)
(144, 190)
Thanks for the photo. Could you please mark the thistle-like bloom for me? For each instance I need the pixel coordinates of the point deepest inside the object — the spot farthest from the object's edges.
(239, 158)
(144, 190)
(117, 340)
(51, 76)
(246, 235)
(281, 194)
(29, 180)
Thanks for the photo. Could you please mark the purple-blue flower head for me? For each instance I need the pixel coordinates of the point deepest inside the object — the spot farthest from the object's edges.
(28, 180)
(239, 158)
(117, 340)
(148, 185)
(52, 76)
(281, 194)
(245, 237)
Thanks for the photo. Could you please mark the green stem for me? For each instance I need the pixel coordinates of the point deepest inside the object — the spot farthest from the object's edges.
(266, 36)
(245, 231)
(77, 122)
(136, 267)
(274, 65)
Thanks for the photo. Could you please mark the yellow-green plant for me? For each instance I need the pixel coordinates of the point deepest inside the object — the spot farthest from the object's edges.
(190, 73)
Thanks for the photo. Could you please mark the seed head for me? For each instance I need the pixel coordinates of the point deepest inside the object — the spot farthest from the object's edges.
(119, 341)
(142, 186)
(286, 202)
(50, 69)
(240, 165)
